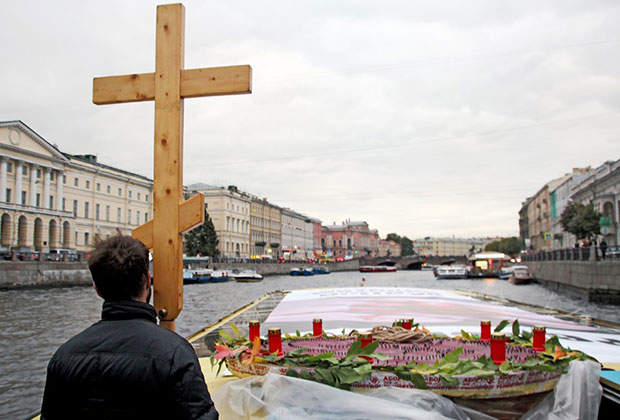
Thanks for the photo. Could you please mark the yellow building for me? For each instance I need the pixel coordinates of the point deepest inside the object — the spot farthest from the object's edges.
(265, 229)
(229, 210)
(50, 199)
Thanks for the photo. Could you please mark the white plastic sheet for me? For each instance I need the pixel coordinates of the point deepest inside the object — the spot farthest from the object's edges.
(275, 397)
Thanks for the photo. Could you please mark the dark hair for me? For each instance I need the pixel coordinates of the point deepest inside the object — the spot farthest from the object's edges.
(119, 267)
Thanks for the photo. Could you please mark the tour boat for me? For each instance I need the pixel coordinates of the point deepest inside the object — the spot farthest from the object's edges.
(245, 276)
(377, 269)
(448, 333)
(487, 264)
(451, 272)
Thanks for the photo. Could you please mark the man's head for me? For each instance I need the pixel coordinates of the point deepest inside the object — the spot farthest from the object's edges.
(120, 268)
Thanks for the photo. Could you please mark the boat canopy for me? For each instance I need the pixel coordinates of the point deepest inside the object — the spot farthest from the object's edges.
(490, 256)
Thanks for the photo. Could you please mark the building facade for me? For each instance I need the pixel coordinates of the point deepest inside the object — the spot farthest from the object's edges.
(229, 210)
(297, 236)
(601, 188)
(350, 239)
(559, 197)
(50, 199)
(449, 246)
(388, 248)
(265, 229)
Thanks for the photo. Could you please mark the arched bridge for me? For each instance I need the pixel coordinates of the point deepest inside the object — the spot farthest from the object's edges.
(411, 262)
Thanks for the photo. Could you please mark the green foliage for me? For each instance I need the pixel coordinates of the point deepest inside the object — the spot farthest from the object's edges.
(406, 244)
(202, 240)
(501, 325)
(510, 246)
(581, 220)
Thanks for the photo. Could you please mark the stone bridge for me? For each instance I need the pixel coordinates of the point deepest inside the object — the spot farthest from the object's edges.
(411, 262)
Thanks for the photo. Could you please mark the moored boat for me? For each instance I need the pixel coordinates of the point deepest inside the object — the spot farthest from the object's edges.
(245, 276)
(320, 270)
(204, 275)
(487, 264)
(451, 272)
(520, 275)
(377, 269)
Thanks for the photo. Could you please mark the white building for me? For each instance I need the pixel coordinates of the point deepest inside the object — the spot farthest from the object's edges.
(297, 235)
(50, 199)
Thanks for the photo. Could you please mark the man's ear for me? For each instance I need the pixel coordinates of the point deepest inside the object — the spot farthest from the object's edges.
(149, 281)
(97, 290)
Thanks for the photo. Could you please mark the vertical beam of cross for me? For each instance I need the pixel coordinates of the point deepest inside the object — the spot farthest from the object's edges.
(167, 87)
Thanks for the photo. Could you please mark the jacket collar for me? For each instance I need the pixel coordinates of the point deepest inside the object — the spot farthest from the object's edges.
(128, 309)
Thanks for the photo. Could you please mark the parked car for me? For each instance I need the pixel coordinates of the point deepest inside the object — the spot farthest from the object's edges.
(28, 255)
(58, 254)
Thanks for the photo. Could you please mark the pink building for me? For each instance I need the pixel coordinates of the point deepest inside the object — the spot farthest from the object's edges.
(350, 239)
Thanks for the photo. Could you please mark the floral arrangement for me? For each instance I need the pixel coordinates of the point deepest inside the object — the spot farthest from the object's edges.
(430, 361)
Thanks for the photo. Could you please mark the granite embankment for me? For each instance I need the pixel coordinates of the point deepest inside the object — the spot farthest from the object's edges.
(35, 274)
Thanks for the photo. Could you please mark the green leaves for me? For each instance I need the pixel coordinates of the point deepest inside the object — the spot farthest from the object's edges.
(501, 325)
(453, 356)
(418, 380)
(516, 328)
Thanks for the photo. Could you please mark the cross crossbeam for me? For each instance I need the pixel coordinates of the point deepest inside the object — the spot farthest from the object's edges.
(168, 86)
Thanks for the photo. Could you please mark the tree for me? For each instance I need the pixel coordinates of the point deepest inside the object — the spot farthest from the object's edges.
(202, 240)
(510, 246)
(581, 220)
(406, 244)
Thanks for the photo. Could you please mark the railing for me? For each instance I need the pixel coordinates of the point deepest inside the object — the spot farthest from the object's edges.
(610, 253)
(37, 256)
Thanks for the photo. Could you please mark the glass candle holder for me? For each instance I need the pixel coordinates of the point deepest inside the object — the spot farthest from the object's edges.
(275, 340)
(317, 327)
(407, 323)
(498, 348)
(538, 339)
(254, 327)
(485, 330)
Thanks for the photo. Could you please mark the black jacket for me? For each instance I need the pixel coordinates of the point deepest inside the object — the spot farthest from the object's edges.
(126, 367)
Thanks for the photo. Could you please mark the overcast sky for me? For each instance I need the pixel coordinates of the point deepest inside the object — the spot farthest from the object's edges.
(425, 118)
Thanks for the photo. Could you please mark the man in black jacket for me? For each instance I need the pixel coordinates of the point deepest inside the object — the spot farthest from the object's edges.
(125, 366)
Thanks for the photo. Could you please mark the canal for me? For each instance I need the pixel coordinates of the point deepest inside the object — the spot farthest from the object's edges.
(33, 323)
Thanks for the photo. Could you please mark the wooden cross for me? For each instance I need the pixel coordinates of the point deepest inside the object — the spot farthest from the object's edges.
(168, 85)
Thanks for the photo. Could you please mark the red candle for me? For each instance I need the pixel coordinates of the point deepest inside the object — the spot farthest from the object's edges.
(485, 330)
(538, 342)
(254, 330)
(275, 340)
(317, 327)
(406, 323)
(366, 339)
(498, 348)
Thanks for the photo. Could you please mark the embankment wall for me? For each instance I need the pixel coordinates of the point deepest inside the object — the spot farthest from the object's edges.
(17, 275)
(598, 281)
(32, 274)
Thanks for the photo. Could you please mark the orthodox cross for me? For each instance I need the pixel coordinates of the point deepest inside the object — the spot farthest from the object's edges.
(167, 86)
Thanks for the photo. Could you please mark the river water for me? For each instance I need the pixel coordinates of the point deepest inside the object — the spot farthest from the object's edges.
(33, 323)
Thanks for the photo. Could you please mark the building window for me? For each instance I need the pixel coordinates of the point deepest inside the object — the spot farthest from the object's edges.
(38, 173)
(51, 175)
(108, 189)
(107, 213)
(87, 185)
(24, 170)
(64, 179)
(24, 195)
(129, 192)
(8, 195)
(129, 216)
(38, 198)
(63, 204)
(118, 215)
(97, 211)
(75, 182)
(51, 201)
(75, 208)
(86, 209)
(85, 238)
(146, 198)
(138, 196)
(146, 217)
(137, 218)
(98, 186)
(120, 192)
(9, 167)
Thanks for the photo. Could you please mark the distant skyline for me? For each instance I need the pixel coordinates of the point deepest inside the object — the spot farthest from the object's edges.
(421, 118)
